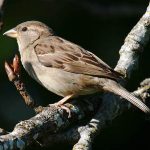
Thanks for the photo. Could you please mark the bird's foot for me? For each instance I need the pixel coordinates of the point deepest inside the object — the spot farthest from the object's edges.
(62, 106)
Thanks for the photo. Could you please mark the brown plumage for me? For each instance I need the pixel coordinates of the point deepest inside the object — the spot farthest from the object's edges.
(72, 58)
(64, 67)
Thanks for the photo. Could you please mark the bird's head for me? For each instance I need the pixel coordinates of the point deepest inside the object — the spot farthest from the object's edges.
(28, 32)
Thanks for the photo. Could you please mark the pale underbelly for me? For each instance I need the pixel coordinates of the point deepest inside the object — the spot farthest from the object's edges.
(61, 82)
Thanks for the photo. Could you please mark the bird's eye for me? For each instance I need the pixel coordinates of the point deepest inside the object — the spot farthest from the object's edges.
(24, 29)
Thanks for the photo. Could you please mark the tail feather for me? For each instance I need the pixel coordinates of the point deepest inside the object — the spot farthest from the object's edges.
(119, 90)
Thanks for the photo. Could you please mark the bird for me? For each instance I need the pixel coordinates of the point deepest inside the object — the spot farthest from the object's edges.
(66, 68)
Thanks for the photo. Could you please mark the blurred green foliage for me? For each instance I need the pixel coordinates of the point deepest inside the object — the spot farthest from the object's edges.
(102, 33)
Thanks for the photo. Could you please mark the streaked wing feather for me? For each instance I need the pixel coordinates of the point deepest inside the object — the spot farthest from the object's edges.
(60, 53)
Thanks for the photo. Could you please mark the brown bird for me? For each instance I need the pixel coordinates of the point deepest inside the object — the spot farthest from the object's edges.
(63, 67)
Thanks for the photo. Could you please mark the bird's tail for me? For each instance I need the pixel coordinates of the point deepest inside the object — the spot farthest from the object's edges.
(119, 90)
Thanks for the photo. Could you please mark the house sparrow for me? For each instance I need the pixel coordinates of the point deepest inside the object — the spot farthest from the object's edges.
(63, 67)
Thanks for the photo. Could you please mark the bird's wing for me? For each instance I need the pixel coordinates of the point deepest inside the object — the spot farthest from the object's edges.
(59, 53)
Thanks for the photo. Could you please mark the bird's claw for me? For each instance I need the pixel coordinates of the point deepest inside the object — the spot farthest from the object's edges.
(63, 107)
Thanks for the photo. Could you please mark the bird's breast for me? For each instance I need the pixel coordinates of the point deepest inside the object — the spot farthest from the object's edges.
(56, 80)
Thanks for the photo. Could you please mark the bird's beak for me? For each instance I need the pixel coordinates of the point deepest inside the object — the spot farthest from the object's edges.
(11, 33)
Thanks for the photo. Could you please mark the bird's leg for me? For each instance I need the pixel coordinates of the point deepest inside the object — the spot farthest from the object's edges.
(64, 100)
(61, 104)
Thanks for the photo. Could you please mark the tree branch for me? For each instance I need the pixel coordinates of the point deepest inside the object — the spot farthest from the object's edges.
(134, 44)
(82, 133)
(129, 56)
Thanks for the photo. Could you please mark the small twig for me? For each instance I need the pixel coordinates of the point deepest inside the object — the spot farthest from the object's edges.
(13, 73)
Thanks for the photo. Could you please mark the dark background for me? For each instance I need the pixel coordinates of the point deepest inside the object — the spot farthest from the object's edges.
(97, 25)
